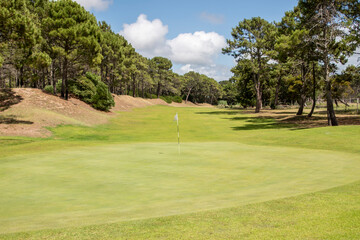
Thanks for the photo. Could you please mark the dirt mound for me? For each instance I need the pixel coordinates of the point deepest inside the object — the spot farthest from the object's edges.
(190, 104)
(38, 109)
(125, 103)
(26, 111)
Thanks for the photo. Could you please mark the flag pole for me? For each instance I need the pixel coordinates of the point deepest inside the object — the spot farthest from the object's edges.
(178, 130)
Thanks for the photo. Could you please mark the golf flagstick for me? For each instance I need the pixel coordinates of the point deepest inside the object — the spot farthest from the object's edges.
(178, 131)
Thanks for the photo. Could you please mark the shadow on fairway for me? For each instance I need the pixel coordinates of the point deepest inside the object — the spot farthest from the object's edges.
(257, 123)
(8, 98)
(266, 126)
(230, 111)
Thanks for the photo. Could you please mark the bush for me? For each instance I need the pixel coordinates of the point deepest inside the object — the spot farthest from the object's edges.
(49, 89)
(102, 99)
(92, 90)
(222, 103)
(166, 99)
(83, 88)
(58, 86)
(176, 99)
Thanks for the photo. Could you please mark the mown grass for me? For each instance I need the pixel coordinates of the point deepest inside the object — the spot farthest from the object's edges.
(129, 169)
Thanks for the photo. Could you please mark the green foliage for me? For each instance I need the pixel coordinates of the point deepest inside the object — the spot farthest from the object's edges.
(83, 88)
(176, 99)
(92, 90)
(102, 99)
(49, 89)
(58, 86)
(167, 99)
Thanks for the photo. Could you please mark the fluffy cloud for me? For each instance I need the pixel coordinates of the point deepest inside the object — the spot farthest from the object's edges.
(196, 48)
(217, 71)
(146, 36)
(99, 5)
(149, 38)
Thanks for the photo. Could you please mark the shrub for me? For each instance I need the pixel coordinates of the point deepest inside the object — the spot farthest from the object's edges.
(83, 88)
(92, 90)
(176, 99)
(49, 89)
(166, 99)
(102, 99)
(222, 103)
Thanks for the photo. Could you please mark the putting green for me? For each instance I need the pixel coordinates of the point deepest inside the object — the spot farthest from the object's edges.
(116, 182)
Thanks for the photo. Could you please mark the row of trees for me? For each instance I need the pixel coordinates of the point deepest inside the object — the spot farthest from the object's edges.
(53, 44)
(295, 59)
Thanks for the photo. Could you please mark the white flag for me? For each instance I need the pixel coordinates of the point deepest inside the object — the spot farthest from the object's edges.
(176, 118)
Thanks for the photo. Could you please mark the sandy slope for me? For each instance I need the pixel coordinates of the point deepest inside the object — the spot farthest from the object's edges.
(38, 110)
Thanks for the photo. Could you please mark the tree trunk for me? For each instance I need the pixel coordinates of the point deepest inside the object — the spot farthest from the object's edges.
(142, 88)
(332, 121)
(10, 79)
(158, 90)
(314, 93)
(64, 85)
(52, 76)
(258, 93)
(276, 101)
(301, 106)
(134, 85)
(21, 77)
(120, 88)
(187, 96)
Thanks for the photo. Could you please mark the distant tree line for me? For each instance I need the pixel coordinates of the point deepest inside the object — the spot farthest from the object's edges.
(60, 47)
(295, 60)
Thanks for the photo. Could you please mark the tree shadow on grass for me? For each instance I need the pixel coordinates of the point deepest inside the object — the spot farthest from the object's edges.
(13, 120)
(281, 120)
(266, 126)
(8, 98)
(230, 111)
(263, 122)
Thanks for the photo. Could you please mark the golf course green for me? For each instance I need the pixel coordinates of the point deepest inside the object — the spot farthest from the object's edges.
(238, 175)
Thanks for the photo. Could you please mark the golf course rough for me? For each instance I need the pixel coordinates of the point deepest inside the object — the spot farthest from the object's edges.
(130, 169)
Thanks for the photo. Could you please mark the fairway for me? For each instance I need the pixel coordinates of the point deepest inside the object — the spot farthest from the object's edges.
(130, 168)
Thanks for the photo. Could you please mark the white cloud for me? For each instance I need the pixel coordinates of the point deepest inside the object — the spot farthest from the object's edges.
(149, 38)
(146, 36)
(99, 5)
(196, 48)
(352, 60)
(216, 71)
(212, 18)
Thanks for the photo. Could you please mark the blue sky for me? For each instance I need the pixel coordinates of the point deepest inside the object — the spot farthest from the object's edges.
(190, 33)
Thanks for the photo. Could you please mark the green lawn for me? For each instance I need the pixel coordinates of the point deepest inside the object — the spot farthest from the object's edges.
(238, 176)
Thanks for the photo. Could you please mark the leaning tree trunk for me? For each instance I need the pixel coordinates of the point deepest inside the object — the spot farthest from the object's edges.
(314, 93)
(187, 96)
(301, 102)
